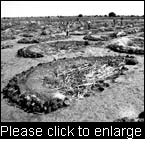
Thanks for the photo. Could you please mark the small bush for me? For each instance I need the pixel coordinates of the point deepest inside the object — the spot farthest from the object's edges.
(112, 14)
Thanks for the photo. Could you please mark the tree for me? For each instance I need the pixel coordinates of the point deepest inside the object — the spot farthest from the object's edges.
(112, 14)
(80, 15)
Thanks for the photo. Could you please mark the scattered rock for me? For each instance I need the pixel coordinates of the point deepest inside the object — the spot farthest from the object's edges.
(124, 45)
(91, 38)
(6, 46)
(124, 119)
(75, 77)
(28, 53)
(28, 41)
(59, 96)
(131, 60)
(121, 33)
(26, 35)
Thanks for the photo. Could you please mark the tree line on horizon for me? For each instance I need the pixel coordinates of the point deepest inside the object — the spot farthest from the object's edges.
(111, 14)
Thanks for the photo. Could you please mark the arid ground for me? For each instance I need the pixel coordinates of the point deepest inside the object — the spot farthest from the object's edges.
(28, 42)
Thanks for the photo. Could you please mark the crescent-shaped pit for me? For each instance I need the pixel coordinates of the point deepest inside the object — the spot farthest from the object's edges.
(50, 86)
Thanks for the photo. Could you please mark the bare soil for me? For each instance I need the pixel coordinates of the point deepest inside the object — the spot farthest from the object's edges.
(124, 96)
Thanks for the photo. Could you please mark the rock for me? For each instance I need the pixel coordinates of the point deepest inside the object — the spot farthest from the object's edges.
(80, 96)
(101, 89)
(54, 104)
(6, 46)
(125, 119)
(28, 52)
(28, 41)
(113, 35)
(44, 32)
(124, 45)
(92, 38)
(122, 42)
(66, 102)
(26, 35)
(106, 85)
(47, 107)
(130, 60)
(120, 80)
(58, 95)
(86, 95)
(121, 33)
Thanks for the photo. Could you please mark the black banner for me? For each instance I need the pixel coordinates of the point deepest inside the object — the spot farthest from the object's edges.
(73, 130)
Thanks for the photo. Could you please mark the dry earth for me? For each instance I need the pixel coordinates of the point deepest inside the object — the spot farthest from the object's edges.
(123, 98)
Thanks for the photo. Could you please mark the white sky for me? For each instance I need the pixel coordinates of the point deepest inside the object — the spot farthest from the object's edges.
(68, 8)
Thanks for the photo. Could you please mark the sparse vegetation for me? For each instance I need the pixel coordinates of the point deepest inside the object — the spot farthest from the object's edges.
(86, 76)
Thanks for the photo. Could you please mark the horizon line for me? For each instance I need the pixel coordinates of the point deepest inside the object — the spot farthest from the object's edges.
(71, 16)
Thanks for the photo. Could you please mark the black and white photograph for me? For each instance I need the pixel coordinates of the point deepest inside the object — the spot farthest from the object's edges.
(72, 61)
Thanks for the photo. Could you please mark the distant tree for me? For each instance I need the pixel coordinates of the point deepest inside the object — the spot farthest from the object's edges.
(132, 15)
(112, 14)
(80, 15)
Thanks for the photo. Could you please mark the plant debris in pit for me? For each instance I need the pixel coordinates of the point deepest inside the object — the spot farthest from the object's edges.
(50, 86)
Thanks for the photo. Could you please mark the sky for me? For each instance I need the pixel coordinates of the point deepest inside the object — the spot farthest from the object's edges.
(70, 8)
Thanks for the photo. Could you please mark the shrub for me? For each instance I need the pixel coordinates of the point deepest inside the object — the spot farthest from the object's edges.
(80, 15)
(112, 14)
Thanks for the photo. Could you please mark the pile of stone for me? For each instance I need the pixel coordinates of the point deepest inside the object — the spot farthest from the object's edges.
(131, 31)
(92, 38)
(26, 35)
(8, 34)
(28, 40)
(138, 41)
(121, 34)
(78, 79)
(125, 45)
(7, 37)
(28, 53)
(3, 46)
(32, 102)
